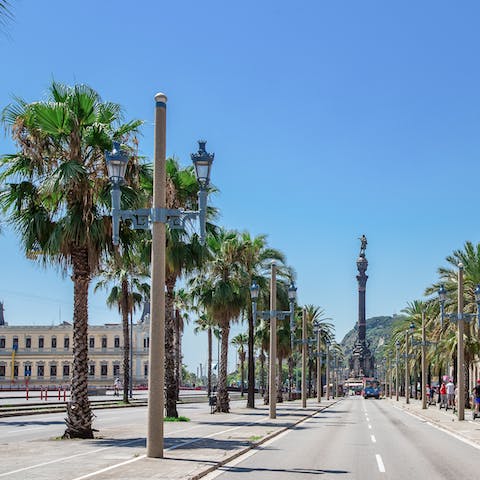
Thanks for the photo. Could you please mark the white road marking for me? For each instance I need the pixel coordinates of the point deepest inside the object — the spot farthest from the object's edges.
(369, 427)
(381, 466)
(367, 419)
(444, 430)
(174, 447)
(374, 440)
(63, 458)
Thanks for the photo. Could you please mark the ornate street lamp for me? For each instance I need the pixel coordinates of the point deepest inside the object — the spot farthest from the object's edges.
(156, 219)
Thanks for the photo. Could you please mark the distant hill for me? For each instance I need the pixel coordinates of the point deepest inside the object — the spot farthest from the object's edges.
(378, 334)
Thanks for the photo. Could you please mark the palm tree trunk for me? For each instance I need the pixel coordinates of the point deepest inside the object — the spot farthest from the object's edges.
(262, 372)
(251, 362)
(178, 354)
(126, 339)
(242, 372)
(290, 377)
(79, 413)
(279, 381)
(170, 378)
(223, 404)
(209, 368)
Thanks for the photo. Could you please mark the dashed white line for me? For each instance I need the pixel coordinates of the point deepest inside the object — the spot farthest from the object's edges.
(381, 466)
(374, 440)
(369, 427)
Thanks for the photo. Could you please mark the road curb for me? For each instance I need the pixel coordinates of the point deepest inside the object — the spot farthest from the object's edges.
(257, 444)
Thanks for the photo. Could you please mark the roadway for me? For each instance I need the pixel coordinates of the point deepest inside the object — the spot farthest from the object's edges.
(358, 439)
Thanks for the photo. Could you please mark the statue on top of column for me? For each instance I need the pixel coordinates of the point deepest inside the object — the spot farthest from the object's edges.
(363, 246)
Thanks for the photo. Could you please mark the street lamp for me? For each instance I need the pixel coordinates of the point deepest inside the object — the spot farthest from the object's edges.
(317, 331)
(327, 372)
(397, 361)
(460, 318)
(156, 219)
(410, 330)
(273, 315)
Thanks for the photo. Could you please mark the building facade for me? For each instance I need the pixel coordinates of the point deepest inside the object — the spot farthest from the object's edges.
(43, 355)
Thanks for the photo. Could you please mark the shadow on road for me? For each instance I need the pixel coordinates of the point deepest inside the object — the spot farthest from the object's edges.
(29, 424)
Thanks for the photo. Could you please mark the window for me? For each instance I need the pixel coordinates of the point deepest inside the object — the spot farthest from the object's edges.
(28, 370)
(145, 370)
(116, 370)
(28, 342)
(53, 370)
(2, 342)
(66, 370)
(116, 343)
(103, 370)
(104, 342)
(2, 370)
(66, 343)
(40, 371)
(91, 342)
(54, 342)
(41, 341)
(15, 371)
(146, 342)
(91, 370)
(15, 343)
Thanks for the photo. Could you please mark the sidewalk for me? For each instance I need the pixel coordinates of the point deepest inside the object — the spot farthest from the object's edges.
(192, 449)
(446, 420)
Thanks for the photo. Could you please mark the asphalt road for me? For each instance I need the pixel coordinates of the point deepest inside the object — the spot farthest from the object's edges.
(359, 439)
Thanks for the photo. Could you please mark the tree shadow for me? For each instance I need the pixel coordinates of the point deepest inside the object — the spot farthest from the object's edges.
(302, 471)
(30, 423)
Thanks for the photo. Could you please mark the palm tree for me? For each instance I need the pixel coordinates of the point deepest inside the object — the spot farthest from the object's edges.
(240, 341)
(256, 260)
(5, 13)
(205, 323)
(124, 275)
(262, 340)
(57, 195)
(219, 292)
(182, 306)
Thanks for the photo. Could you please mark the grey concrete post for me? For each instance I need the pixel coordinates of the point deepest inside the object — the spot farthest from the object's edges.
(156, 368)
(304, 358)
(460, 348)
(273, 343)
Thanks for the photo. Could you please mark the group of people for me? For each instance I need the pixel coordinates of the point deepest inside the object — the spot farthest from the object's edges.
(448, 395)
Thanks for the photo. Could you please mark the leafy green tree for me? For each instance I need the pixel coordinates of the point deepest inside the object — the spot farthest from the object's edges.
(57, 197)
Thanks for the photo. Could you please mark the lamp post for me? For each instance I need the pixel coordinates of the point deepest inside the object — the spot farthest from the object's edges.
(304, 358)
(272, 315)
(460, 318)
(319, 365)
(156, 219)
(407, 372)
(397, 361)
(327, 372)
(391, 376)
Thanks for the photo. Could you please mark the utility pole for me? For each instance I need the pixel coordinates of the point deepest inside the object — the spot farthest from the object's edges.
(273, 343)
(304, 358)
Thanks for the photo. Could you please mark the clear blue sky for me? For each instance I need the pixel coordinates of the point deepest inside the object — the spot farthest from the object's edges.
(328, 120)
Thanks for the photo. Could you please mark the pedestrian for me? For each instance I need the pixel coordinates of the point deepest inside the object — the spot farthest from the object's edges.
(116, 387)
(476, 398)
(443, 396)
(450, 393)
(427, 393)
(432, 393)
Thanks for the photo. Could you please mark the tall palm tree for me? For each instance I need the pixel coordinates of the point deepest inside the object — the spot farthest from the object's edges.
(256, 259)
(262, 340)
(219, 291)
(128, 291)
(240, 341)
(206, 323)
(57, 195)
(182, 305)
(5, 12)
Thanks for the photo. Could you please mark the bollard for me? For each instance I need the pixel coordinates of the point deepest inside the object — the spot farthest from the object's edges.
(59, 393)
(46, 393)
(64, 394)
(41, 393)
(26, 392)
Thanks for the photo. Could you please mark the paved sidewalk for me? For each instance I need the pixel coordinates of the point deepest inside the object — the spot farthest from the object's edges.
(468, 429)
(192, 449)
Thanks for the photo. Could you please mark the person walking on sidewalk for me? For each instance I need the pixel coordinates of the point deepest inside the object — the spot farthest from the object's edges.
(450, 393)
(476, 399)
(443, 396)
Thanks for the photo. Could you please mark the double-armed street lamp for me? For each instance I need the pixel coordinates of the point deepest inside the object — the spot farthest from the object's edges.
(409, 330)
(460, 318)
(397, 361)
(317, 331)
(272, 315)
(327, 369)
(156, 219)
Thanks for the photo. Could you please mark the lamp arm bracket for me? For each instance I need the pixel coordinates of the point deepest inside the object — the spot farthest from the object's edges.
(143, 218)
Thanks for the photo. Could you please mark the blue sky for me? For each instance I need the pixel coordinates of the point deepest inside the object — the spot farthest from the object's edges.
(328, 120)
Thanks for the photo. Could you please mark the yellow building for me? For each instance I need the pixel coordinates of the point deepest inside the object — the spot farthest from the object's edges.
(44, 353)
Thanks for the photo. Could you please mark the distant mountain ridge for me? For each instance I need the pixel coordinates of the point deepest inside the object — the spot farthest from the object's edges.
(379, 331)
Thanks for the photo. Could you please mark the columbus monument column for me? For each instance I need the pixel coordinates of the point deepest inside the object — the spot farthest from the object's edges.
(361, 363)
